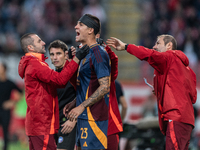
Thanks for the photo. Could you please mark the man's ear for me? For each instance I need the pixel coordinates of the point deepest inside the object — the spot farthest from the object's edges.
(66, 54)
(30, 48)
(169, 46)
(91, 30)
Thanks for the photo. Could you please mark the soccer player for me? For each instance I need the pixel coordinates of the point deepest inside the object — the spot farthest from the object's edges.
(93, 86)
(114, 121)
(67, 131)
(41, 82)
(174, 86)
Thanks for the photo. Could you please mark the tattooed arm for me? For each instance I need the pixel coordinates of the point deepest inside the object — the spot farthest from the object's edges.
(103, 89)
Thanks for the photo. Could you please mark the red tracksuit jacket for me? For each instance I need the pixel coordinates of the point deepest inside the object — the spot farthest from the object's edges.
(174, 84)
(42, 117)
(114, 121)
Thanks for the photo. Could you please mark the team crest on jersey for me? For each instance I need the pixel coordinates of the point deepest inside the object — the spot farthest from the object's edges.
(60, 139)
(83, 62)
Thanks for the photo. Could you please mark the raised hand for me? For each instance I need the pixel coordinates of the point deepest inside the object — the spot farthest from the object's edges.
(73, 49)
(116, 43)
(82, 52)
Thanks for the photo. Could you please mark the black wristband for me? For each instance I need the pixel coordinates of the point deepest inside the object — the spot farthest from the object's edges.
(126, 46)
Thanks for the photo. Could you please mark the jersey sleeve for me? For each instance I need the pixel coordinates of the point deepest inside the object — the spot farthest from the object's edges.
(101, 62)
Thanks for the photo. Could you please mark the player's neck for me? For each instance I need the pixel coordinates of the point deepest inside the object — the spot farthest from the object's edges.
(89, 42)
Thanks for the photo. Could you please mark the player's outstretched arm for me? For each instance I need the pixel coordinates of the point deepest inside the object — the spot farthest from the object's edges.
(116, 43)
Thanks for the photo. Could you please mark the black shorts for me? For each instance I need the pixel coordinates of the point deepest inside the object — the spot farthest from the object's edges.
(66, 141)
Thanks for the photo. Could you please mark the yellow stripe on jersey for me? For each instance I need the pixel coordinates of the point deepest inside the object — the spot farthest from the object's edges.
(99, 134)
(97, 131)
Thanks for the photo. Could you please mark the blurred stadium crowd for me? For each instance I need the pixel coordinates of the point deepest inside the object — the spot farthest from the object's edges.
(50, 19)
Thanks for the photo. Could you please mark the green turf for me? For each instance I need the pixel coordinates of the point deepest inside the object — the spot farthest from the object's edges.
(14, 146)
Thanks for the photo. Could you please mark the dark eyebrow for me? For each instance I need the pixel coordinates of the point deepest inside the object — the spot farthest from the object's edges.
(81, 23)
(55, 53)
